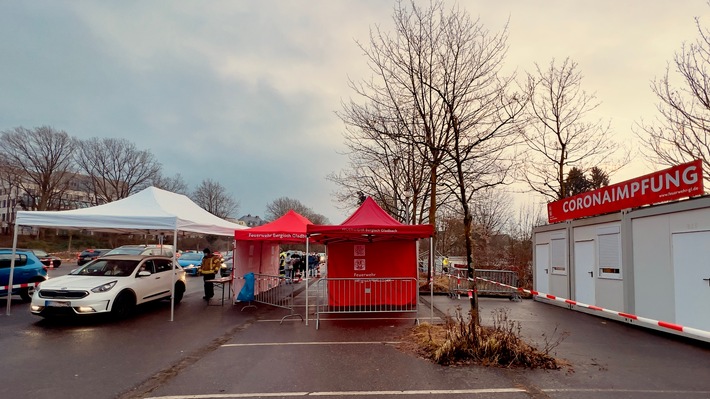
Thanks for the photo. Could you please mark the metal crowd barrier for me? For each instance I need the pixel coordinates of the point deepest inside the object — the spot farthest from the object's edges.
(277, 291)
(501, 276)
(459, 283)
(365, 295)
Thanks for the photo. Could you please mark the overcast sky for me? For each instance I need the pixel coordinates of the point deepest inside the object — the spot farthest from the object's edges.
(245, 92)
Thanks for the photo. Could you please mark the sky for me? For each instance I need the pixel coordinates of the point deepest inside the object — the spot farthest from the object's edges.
(246, 92)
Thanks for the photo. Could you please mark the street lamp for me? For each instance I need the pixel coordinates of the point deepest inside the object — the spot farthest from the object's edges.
(407, 196)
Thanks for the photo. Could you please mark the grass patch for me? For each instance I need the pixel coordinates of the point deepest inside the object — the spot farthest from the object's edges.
(459, 341)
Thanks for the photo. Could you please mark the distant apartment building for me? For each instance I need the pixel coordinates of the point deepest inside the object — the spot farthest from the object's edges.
(251, 221)
(13, 198)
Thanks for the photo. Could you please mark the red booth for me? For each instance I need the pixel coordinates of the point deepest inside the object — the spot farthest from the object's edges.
(257, 249)
(372, 259)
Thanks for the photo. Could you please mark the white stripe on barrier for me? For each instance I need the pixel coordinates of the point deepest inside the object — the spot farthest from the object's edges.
(676, 328)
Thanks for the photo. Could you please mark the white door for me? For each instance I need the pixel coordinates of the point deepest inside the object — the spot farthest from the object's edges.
(584, 276)
(542, 268)
(691, 270)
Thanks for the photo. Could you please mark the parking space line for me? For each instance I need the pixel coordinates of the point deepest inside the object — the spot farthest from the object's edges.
(422, 392)
(316, 343)
(346, 393)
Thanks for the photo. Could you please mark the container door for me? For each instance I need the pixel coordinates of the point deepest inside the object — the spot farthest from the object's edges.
(691, 269)
(584, 265)
(542, 267)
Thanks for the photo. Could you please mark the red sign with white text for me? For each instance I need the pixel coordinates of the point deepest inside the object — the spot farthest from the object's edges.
(670, 184)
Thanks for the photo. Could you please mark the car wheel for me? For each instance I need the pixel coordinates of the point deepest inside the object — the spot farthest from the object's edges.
(26, 293)
(123, 305)
(179, 292)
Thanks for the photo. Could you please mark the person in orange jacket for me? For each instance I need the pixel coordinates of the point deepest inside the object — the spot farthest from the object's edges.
(209, 268)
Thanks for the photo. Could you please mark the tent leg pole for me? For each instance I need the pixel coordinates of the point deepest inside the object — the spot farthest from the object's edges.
(431, 284)
(12, 271)
(306, 272)
(172, 286)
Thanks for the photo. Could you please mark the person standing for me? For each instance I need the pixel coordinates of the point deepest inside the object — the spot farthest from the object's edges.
(209, 268)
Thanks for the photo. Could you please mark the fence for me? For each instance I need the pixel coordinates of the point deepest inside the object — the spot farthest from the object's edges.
(277, 291)
(374, 295)
(459, 283)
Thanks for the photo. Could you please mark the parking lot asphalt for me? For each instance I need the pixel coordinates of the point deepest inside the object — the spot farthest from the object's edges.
(362, 357)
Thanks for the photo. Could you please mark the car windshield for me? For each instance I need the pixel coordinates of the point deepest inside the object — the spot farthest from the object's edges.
(191, 256)
(107, 267)
(125, 251)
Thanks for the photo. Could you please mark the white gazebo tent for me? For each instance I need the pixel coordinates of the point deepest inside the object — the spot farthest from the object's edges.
(150, 211)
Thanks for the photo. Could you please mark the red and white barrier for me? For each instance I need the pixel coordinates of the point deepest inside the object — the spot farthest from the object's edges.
(25, 285)
(626, 317)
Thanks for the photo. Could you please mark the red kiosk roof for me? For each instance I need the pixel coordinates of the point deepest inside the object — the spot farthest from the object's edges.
(369, 222)
(291, 227)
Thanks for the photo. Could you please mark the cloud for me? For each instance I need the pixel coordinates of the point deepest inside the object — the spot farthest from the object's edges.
(246, 92)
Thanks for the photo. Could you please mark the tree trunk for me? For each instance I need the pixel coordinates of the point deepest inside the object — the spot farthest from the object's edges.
(432, 221)
(471, 271)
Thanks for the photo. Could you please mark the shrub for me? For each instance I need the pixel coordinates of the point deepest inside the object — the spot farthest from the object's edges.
(460, 341)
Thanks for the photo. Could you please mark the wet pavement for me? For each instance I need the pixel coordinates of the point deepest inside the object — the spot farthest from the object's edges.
(360, 356)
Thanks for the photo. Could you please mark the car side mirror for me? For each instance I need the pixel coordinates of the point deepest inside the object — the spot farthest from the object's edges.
(143, 273)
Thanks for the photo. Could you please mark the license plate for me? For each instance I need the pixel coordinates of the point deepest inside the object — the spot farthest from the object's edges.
(57, 304)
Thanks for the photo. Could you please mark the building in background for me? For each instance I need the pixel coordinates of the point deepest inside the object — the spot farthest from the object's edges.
(251, 221)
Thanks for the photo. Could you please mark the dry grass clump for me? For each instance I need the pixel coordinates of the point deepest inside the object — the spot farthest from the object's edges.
(460, 341)
(441, 283)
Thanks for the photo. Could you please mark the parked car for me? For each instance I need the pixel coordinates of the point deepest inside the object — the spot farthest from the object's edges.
(46, 258)
(190, 261)
(42, 255)
(150, 249)
(88, 255)
(227, 265)
(112, 284)
(28, 270)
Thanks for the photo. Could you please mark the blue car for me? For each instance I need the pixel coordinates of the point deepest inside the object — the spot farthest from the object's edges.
(191, 261)
(28, 270)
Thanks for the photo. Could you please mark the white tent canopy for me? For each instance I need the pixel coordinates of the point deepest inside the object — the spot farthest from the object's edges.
(149, 211)
(152, 210)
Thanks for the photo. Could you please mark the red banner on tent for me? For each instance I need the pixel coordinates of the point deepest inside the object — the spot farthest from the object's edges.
(670, 184)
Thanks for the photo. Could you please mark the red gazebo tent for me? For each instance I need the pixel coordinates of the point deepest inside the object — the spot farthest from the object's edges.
(258, 251)
(370, 245)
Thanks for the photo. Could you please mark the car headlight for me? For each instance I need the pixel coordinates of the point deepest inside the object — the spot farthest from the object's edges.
(104, 287)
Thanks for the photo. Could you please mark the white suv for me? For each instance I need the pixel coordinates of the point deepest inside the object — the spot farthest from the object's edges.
(112, 284)
(162, 250)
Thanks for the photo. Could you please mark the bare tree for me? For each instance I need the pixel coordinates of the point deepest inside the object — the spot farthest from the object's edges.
(491, 213)
(43, 159)
(10, 181)
(437, 89)
(174, 184)
(116, 168)
(559, 134)
(401, 92)
(381, 167)
(280, 206)
(483, 119)
(682, 129)
(520, 251)
(213, 197)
